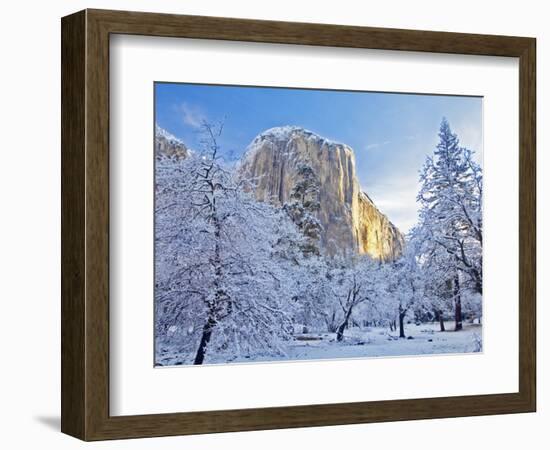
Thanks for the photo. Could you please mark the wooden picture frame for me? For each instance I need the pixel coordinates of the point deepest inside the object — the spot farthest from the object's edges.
(85, 224)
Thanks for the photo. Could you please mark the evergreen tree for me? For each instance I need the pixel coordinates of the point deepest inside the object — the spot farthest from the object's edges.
(302, 207)
(450, 219)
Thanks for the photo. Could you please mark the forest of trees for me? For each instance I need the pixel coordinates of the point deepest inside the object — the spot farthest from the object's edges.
(239, 277)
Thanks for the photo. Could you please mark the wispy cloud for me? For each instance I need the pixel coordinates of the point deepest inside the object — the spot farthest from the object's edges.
(191, 115)
(376, 145)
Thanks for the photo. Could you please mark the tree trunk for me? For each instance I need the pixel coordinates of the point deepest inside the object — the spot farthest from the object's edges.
(347, 315)
(401, 324)
(458, 305)
(479, 287)
(205, 339)
(331, 322)
(441, 322)
(220, 296)
(439, 317)
(340, 331)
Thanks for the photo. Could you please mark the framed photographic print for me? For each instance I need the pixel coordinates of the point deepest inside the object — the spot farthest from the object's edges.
(272, 225)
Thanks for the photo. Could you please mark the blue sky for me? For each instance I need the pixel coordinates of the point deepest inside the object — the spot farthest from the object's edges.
(391, 134)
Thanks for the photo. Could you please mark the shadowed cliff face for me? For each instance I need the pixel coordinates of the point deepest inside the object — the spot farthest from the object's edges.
(351, 222)
(168, 145)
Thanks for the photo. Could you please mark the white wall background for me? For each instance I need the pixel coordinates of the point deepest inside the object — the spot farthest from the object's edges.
(30, 229)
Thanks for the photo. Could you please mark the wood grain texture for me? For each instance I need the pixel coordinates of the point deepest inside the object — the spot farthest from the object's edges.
(85, 224)
(527, 224)
(73, 108)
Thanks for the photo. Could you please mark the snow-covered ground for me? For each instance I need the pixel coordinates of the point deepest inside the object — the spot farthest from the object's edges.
(423, 339)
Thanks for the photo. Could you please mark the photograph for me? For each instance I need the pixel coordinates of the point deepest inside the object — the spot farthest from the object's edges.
(295, 224)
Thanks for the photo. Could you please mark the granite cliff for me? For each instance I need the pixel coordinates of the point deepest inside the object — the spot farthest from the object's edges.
(351, 221)
(167, 144)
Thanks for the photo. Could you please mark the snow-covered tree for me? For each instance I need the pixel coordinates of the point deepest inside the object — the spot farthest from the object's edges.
(438, 294)
(404, 285)
(451, 205)
(314, 293)
(224, 278)
(450, 218)
(355, 282)
(302, 207)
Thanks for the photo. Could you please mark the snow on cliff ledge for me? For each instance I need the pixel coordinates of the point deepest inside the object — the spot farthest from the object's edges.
(161, 132)
(286, 134)
(166, 144)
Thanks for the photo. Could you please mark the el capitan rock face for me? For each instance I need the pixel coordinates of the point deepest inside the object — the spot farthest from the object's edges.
(351, 222)
(377, 236)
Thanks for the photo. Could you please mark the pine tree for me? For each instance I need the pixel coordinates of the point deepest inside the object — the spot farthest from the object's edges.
(302, 207)
(450, 218)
